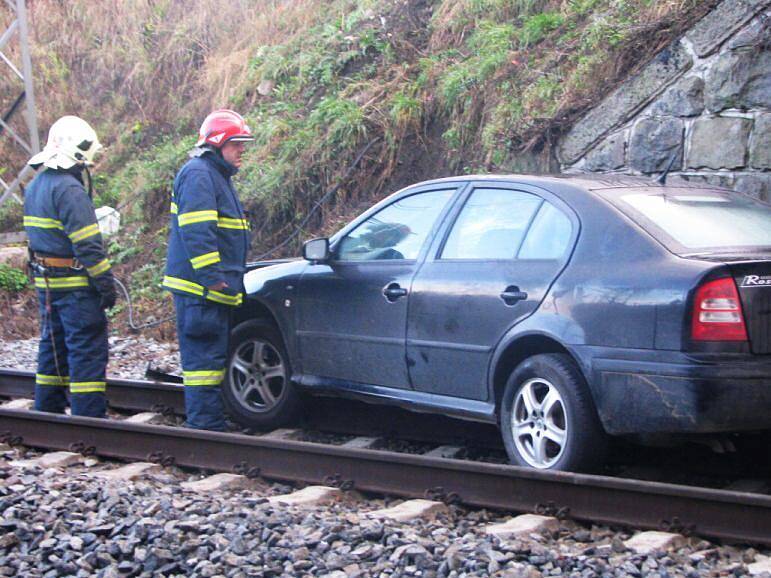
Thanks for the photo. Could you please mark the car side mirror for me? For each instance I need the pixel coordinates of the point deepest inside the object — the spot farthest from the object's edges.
(316, 250)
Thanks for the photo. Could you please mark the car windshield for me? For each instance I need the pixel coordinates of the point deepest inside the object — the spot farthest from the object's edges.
(697, 221)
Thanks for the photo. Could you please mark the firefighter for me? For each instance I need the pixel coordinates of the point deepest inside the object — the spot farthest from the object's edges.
(71, 273)
(206, 260)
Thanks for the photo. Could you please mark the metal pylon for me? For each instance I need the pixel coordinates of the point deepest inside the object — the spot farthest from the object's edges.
(30, 141)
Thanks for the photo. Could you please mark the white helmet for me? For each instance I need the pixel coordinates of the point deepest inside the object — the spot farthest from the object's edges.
(71, 141)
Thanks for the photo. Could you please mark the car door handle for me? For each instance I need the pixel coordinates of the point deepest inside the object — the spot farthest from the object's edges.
(512, 294)
(393, 291)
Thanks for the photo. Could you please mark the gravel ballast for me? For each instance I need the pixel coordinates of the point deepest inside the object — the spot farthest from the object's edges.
(58, 522)
(129, 356)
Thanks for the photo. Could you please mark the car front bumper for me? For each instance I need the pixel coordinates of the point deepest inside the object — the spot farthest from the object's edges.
(672, 392)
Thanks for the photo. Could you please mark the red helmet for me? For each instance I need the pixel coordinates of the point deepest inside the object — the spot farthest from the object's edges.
(221, 126)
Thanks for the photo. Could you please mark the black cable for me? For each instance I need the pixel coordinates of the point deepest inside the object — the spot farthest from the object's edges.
(131, 323)
(320, 202)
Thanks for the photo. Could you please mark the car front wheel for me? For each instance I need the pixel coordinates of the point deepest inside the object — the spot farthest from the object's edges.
(257, 389)
(548, 419)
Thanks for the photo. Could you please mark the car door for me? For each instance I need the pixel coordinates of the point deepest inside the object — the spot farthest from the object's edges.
(490, 269)
(353, 309)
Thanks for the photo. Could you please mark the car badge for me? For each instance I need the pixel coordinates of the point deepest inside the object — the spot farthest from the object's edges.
(756, 281)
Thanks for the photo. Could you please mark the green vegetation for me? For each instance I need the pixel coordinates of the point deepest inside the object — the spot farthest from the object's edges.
(536, 27)
(12, 280)
(488, 48)
(406, 111)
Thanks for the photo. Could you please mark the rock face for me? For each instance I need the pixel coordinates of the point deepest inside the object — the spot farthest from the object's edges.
(719, 143)
(721, 23)
(739, 79)
(703, 103)
(760, 147)
(686, 98)
(669, 64)
(656, 142)
(608, 155)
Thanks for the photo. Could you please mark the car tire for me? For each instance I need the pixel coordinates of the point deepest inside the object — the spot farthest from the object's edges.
(257, 388)
(562, 432)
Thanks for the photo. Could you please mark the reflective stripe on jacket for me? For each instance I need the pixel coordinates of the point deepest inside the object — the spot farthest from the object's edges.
(209, 234)
(60, 221)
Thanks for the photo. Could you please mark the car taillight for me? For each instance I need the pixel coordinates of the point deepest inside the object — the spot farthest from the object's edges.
(717, 312)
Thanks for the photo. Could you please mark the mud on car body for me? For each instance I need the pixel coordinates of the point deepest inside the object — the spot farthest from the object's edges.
(564, 309)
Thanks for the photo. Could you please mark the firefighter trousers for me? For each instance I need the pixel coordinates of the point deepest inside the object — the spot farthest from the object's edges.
(72, 354)
(202, 329)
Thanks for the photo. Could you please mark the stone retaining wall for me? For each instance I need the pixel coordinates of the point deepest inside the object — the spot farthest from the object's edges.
(703, 104)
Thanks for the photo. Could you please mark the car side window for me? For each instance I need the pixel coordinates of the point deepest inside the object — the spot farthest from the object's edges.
(491, 225)
(549, 235)
(397, 231)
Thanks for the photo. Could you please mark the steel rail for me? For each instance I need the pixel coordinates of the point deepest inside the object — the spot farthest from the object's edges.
(721, 514)
(141, 395)
(135, 395)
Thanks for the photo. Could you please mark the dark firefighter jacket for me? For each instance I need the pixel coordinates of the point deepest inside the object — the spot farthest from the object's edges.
(209, 234)
(60, 222)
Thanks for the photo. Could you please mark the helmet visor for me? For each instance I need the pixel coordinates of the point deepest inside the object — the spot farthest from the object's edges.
(241, 138)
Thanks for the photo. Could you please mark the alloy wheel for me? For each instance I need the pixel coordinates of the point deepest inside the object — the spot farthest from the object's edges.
(539, 423)
(257, 375)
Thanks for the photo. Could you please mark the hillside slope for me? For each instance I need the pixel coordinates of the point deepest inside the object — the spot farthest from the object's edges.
(433, 87)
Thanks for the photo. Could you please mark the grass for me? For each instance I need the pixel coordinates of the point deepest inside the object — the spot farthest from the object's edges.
(406, 111)
(536, 27)
(488, 49)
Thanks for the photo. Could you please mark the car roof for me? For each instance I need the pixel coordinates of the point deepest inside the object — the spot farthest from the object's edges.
(589, 182)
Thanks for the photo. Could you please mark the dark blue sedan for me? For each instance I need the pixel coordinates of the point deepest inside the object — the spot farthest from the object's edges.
(563, 309)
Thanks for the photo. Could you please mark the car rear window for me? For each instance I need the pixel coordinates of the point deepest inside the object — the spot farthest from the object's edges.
(491, 225)
(693, 220)
(549, 235)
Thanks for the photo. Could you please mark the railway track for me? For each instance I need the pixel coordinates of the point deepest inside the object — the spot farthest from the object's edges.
(734, 516)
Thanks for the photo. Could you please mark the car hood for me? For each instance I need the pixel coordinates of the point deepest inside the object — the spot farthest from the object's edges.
(255, 280)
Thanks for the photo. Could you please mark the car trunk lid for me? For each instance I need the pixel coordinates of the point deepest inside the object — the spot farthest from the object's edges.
(753, 279)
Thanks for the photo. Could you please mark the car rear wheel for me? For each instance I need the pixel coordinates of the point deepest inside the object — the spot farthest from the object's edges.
(257, 389)
(548, 419)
